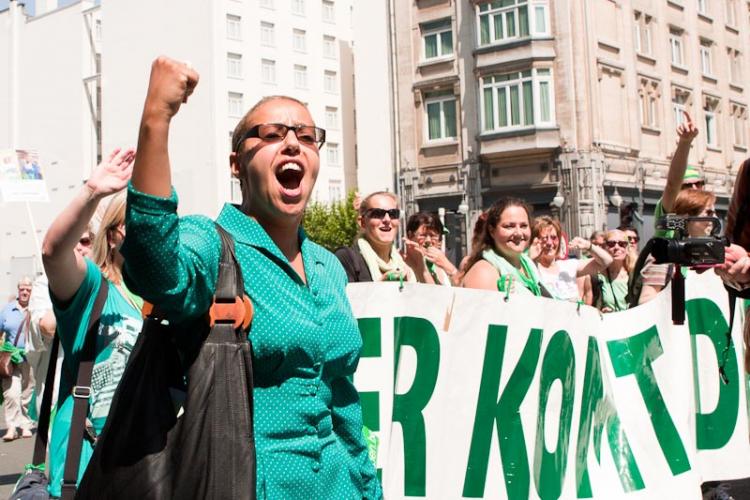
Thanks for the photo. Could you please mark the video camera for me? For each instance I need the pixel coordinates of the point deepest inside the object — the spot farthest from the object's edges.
(682, 250)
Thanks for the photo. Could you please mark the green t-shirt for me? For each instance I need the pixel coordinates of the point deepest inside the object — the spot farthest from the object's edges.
(118, 330)
(614, 293)
(658, 214)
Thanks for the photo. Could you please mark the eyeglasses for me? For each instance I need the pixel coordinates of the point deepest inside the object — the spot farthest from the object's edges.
(277, 132)
(85, 241)
(379, 213)
(433, 236)
(549, 237)
(633, 239)
(621, 244)
(693, 185)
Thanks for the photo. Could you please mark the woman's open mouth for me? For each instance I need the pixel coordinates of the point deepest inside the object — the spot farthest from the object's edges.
(290, 175)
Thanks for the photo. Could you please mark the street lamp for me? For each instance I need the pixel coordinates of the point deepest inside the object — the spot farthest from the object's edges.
(558, 200)
(615, 199)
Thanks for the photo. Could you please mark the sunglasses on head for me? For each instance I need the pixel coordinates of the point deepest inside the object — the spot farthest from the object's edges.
(621, 244)
(693, 185)
(379, 213)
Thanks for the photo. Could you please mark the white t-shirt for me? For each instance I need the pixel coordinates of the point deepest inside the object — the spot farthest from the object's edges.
(563, 285)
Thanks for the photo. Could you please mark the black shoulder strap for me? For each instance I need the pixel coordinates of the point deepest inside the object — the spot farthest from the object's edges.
(81, 393)
(40, 444)
(229, 283)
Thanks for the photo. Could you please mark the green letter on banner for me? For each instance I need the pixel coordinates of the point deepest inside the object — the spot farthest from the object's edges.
(407, 408)
(559, 363)
(369, 328)
(598, 413)
(504, 413)
(633, 356)
(713, 430)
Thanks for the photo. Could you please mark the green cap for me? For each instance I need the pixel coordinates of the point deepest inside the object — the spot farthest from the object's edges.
(692, 175)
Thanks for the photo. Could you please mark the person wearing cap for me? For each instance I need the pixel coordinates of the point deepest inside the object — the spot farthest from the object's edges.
(680, 175)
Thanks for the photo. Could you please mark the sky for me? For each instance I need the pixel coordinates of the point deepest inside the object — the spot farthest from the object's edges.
(31, 7)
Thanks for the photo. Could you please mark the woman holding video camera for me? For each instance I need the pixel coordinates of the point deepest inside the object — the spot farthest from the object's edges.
(689, 203)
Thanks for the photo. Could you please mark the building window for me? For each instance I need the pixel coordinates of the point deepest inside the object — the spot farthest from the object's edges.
(268, 4)
(675, 46)
(234, 27)
(437, 39)
(332, 153)
(298, 40)
(649, 95)
(329, 46)
(267, 36)
(332, 118)
(643, 28)
(710, 108)
(334, 191)
(703, 7)
(735, 66)
(517, 100)
(268, 71)
(706, 66)
(234, 104)
(739, 124)
(680, 98)
(300, 76)
(329, 82)
(329, 11)
(234, 65)
(298, 7)
(506, 20)
(731, 12)
(440, 108)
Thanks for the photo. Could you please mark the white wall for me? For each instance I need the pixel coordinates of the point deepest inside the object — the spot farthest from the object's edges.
(375, 162)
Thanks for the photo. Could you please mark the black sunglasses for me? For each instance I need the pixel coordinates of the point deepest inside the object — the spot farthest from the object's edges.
(277, 132)
(694, 185)
(379, 213)
(621, 244)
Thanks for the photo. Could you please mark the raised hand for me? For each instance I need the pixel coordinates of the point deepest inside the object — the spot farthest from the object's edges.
(112, 174)
(579, 243)
(413, 254)
(170, 85)
(687, 131)
(535, 249)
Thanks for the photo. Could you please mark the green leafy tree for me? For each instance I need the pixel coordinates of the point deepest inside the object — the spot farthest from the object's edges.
(331, 225)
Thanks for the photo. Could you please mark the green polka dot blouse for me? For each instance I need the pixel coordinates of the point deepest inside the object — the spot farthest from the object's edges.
(306, 344)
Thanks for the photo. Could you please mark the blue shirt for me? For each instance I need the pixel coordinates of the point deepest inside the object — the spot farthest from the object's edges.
(11, 318)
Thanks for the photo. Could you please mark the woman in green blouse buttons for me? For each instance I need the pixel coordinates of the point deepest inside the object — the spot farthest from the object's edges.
(308, 420)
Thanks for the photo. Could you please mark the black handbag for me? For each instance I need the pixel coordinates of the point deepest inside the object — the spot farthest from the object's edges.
(157, 445)
(33, 483)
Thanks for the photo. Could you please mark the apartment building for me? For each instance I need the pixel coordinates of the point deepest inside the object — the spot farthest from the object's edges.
(78, 77)
(570, 105)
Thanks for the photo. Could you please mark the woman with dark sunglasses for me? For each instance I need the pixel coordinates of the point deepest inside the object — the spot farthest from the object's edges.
(373, 256)
(308, 420)
(612, 283)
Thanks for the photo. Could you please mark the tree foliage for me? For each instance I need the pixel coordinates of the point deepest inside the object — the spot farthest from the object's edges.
(331, 225)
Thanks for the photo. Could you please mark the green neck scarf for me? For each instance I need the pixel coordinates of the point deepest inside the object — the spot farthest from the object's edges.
(528, 278)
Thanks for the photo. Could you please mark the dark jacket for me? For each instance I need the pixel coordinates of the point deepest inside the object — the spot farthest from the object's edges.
(354, 264)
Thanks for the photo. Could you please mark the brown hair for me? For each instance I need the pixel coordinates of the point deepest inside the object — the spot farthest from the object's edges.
(103, 252)
(427, 219)
(484, 227)
(543, 222)
(691, 202)
(243, 125)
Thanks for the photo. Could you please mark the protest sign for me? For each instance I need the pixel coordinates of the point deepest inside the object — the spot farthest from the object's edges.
(470, 396)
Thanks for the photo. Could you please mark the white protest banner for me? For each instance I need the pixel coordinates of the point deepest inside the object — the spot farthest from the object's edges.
(21, 177)
(474, 397)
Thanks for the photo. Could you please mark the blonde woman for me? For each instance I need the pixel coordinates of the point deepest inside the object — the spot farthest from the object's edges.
(613, 281)
(373, 256)
(74, 283)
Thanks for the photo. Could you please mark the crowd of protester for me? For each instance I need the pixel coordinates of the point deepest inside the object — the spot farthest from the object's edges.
(172, 262)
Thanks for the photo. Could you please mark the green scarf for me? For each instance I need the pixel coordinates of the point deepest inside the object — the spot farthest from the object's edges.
(528, 278)
(16, 353)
